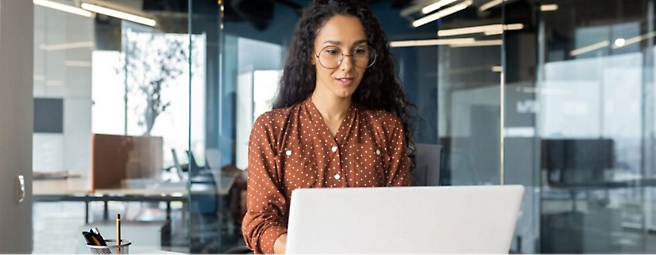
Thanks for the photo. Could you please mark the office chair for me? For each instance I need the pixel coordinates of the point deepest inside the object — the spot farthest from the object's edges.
(427, 160)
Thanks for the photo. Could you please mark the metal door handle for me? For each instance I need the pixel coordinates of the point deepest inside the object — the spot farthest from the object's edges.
(20, 189)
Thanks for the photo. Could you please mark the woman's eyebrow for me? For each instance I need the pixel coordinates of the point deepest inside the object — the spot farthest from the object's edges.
(340, 43)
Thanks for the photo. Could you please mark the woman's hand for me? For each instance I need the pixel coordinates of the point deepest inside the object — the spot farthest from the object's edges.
(280, 245)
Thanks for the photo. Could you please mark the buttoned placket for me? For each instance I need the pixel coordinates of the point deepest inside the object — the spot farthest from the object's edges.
(335, 174)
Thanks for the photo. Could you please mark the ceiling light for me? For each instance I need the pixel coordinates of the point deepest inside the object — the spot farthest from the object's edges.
(589, 48)
(74, 63)
(491, 29)
(410, 10)
(432, 42)
(549, 7)
(497, 69)
(619, 42)
(436, 5)
(67, 46)
(119, 14)
(63, 7)
(490, 4)
(493, 32)
(478, 43)
(441, 14)
(633, 40)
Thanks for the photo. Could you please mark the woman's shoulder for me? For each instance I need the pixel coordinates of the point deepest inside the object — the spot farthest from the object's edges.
(276, 117)
(382, 117)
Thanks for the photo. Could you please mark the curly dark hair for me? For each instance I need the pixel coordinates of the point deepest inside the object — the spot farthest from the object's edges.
(380, 89)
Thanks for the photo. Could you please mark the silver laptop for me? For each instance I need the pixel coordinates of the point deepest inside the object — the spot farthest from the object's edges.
(459, 219)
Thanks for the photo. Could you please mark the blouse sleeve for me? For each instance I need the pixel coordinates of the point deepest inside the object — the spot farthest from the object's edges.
(263, 222)
(399, 167)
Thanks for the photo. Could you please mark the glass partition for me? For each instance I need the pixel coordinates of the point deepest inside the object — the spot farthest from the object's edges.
(152, 120)
(112, 108)
(595, 123)
(520, 149)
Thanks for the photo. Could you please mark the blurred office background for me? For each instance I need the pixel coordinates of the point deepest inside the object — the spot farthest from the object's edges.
(556, 95)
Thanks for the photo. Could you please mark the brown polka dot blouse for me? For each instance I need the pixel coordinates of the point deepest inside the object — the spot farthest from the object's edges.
(292, 148)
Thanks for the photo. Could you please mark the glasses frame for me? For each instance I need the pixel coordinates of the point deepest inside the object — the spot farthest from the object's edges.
(339, 62)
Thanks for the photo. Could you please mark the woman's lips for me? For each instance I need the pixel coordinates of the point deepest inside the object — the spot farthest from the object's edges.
(345, 81)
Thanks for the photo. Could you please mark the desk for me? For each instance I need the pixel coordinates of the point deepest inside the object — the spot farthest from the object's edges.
(78, 190)
(145, 236)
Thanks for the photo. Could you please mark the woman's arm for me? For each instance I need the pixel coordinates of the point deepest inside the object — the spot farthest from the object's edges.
(399, 165)
(280, 247)
(263, 223)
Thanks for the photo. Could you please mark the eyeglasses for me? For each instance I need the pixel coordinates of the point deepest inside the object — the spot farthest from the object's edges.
(331, 57)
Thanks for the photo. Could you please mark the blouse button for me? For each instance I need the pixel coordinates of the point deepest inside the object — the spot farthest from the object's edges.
(289, 152)
(377, 152)
(337, 176)
(334, 148)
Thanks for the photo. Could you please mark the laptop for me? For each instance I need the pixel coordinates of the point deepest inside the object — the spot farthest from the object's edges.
(458, 219)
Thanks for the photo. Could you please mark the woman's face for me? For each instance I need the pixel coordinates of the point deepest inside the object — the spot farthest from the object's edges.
(337, 78)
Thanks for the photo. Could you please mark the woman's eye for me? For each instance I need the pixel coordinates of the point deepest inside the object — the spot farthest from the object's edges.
(332, 51)
(360, 51)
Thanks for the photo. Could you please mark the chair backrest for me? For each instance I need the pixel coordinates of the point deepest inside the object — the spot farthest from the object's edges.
(427, 170)
(193, 164)
(213, 158)
(177, 165)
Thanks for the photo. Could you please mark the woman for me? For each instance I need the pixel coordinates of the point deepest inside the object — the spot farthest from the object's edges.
(341, 119)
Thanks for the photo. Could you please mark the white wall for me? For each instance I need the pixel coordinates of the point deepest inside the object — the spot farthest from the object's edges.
(253, 57)
(62, 69)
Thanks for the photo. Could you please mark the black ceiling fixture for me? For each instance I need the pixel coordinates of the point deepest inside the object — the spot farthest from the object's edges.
(256, 12)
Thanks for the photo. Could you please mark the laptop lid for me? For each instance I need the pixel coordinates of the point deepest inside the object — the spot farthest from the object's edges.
(460, 219)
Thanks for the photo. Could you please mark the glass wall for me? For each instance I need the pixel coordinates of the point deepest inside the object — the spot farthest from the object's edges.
(555, 95)
(112, 100)
(595, 122)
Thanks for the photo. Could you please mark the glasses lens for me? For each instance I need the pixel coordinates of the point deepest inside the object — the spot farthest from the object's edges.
(331, 57)
(364, 57)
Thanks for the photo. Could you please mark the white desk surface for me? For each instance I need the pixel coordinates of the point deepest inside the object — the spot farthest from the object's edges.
(82, 186)
(70, 186)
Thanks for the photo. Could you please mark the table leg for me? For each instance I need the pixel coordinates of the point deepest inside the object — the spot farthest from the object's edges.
(168, 210)
(86, 212)
(106, 211)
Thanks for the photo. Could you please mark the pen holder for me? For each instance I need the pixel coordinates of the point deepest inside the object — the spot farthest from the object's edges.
(111, 248)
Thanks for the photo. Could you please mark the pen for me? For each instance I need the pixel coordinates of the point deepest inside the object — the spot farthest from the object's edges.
(95, 240)
(88, 237)
(96, 232)
(118, 232)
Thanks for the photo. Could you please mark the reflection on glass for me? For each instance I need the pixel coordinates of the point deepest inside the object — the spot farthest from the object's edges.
(469, 114)
(157, 88)
(594, 110)
(114, 99)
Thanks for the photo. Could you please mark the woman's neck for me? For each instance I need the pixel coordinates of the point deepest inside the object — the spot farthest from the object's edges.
(331, 108)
